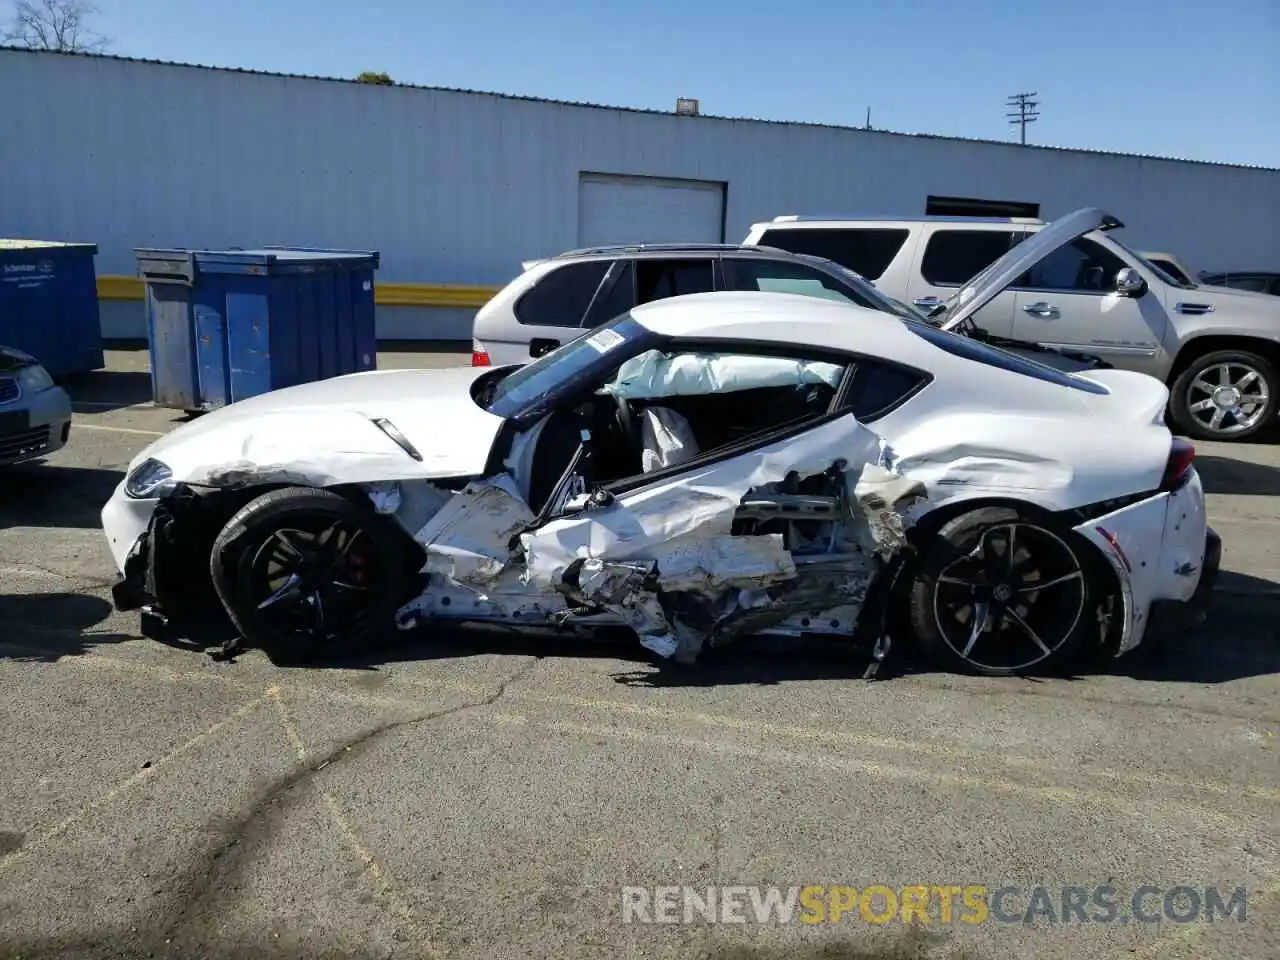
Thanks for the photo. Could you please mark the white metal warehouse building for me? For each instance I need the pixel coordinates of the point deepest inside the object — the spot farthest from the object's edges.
(456, 188)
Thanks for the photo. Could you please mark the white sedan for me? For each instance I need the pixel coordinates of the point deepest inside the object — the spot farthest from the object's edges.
(696, 470)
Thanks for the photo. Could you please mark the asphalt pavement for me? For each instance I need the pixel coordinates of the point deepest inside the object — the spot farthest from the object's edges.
(471, 794)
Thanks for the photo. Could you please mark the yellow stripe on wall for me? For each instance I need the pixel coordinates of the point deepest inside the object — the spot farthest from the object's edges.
(384, 294)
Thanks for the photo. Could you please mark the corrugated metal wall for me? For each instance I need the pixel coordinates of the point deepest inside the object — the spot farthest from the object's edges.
(459, 188)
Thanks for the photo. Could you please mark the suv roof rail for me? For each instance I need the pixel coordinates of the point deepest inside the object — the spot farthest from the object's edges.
(668, 248)
(930, 218)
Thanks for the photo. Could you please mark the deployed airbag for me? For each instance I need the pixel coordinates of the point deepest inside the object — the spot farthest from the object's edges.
(666, 439)
(655, 374)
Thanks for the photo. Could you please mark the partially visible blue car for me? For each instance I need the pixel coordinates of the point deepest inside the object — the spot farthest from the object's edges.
(35, 413)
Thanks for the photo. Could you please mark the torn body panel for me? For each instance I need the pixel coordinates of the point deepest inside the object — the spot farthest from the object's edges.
(468, 540)
(781, 538)
(703, 501)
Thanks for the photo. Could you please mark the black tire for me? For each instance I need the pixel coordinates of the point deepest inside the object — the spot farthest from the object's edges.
(1021, 623)
(1187, 392)
(241, 563)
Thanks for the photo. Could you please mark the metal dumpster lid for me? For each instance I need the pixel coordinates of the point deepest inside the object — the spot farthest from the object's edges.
(16, 243)
(261, 260)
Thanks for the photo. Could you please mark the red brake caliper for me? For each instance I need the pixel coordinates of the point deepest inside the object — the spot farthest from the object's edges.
(358, 562)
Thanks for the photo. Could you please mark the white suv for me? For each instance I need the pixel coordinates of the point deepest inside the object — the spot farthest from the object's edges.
(560, 298)
(1217, 349)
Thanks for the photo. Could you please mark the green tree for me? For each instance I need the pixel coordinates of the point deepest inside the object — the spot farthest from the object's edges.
(381, 79)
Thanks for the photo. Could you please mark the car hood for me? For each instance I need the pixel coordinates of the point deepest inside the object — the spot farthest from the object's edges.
(984, 287)
(325, 433)
(11, 358)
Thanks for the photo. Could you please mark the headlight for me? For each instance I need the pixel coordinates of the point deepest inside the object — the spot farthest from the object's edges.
(148, 480)
(34, 378)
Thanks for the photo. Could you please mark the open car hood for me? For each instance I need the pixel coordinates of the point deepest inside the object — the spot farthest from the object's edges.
(988, 284)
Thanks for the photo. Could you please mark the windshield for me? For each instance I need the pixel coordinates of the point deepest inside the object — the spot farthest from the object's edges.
(1169, 277)
(532, 390)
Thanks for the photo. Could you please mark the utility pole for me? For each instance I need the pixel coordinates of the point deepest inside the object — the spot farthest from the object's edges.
(1025, 110)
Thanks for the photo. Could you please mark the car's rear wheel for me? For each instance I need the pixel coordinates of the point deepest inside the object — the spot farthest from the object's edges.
(308, 570)
(1000, 592)
(1225, 395)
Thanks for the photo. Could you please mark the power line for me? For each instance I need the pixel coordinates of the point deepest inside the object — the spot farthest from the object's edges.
(1026, 110)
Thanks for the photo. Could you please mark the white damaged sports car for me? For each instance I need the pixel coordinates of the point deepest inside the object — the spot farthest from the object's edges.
(696, 470)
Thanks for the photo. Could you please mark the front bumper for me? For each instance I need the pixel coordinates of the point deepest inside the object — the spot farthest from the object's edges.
(36, 427)
(162, 549)
(124, 521)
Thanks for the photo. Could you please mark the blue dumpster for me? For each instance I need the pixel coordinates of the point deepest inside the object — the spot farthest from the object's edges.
(49, 304)
(224, 325)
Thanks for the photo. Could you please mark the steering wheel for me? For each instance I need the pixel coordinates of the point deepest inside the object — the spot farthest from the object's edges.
(627, 419)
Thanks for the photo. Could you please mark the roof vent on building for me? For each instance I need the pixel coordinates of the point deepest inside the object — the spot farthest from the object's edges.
(686, 107)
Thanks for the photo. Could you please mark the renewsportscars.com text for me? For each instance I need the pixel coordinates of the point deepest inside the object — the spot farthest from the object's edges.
(934, 904)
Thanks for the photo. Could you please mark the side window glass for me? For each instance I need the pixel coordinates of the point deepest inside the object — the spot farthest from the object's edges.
(879, 387)
(616, 297)
(954, 257)
(786, 277)
(1256, 284)
(865, 251)
(687, 404)
(561, 298)
(658, 279)
(1080, 267)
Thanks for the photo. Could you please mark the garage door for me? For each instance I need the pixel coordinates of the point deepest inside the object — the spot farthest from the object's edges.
(618, 209)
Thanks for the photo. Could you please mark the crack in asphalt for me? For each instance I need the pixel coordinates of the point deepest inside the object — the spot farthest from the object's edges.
(207, 885)
(242, 828)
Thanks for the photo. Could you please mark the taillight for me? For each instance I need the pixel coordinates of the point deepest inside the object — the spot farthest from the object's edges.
(479, 354)
(1178, 468)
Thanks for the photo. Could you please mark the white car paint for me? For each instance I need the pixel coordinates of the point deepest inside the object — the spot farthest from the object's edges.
(976, 430)
(325, 431)
(1156, 548)
(321, 434)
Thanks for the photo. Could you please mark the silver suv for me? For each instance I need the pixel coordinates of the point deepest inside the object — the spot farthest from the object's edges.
(1217, 349)
(558, 299)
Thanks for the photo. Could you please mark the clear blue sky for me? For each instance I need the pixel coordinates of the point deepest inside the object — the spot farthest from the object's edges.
(1169, 77)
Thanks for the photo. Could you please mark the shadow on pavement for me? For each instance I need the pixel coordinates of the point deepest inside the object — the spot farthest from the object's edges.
(757, 660)
(109, 389)
(1240, 639)
(41, 494)
(1222, 475)
(45, 627)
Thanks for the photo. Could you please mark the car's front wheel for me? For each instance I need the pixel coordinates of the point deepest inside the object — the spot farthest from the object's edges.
(1000, 592)
(308, 570)
(1225, 395)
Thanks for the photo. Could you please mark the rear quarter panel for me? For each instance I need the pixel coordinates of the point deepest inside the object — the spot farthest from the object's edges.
(1055, 462)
